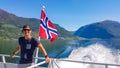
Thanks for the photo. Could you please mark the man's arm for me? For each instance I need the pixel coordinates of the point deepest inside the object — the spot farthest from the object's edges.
(16, 51)
(42, 49)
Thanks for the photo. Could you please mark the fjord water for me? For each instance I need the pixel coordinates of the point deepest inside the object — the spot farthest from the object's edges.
(100, 51)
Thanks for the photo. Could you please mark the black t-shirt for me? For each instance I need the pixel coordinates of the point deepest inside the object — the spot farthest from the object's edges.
(27, 49)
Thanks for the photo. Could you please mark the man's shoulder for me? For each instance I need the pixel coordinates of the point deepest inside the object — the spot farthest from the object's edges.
(20, 38)
(35, 39)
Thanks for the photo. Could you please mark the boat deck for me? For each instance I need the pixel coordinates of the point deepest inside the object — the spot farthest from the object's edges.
(8, 65)
(11, 65)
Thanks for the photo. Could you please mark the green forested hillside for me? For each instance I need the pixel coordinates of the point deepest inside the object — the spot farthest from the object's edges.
(11, 25)
(8, 31)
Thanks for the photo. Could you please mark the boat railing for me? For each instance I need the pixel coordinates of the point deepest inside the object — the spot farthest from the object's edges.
(106, 65)
(54, 62)
(3, 56)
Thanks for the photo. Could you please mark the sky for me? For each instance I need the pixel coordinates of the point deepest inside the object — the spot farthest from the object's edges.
(69, 14)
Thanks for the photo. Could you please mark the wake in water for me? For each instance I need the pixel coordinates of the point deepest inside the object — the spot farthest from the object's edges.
(96, 52)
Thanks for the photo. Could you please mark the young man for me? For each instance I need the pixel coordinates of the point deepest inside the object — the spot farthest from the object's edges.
(27, 45)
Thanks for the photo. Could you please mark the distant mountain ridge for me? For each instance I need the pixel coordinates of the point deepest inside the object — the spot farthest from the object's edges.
(10, 24)
(104, 30)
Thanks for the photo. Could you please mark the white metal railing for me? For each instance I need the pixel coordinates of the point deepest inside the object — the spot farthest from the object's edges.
(54, 61)
(106, 65)
(43, 62)
(3, 56)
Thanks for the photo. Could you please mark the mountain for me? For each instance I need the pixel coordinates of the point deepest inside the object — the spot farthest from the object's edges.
(10, 26)
(104, 30)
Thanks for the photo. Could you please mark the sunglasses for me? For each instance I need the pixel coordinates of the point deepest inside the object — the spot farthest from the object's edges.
(26, 29)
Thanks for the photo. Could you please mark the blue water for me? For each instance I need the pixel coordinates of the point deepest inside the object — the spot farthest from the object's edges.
(65, 51)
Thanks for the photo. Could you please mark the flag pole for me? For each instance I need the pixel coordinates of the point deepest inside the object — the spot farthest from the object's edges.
(37, 49)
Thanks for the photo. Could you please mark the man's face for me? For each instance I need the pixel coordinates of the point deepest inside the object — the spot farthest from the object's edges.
(27, 31)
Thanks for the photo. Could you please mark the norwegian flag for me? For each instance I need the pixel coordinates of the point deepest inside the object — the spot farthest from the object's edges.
(47, 29)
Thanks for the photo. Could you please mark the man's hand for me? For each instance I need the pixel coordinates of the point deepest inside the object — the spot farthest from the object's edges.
(47, 59)
(12, 56)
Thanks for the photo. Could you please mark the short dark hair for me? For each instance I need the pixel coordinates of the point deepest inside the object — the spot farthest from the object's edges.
(26, 26)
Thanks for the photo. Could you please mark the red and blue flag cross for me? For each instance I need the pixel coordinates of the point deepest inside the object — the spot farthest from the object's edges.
(47, 29)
